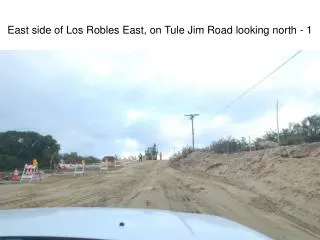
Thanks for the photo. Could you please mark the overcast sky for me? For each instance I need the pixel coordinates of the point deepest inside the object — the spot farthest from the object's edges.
(122, 101)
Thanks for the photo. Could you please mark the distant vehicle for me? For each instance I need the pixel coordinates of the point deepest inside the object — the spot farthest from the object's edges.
(152, 153)
(117, 223)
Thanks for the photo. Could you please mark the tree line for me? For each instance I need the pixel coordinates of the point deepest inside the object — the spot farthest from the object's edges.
(19, 147)
(73, 157)
(307, 131)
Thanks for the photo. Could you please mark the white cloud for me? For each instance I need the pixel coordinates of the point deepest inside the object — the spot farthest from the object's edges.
(174, 127)
(214, 123)
(295, 110)
(208, 69)
(135, 115)
(290, 111)
(177, 129)
(101, 67)
(94, 66)
(178, 66)
(310, 76)
(75, 141)
(128, 144)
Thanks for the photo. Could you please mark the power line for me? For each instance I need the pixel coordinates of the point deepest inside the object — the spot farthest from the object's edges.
(258, 83)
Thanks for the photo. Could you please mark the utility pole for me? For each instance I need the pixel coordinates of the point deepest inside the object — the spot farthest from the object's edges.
(278, 122)
(191, 116)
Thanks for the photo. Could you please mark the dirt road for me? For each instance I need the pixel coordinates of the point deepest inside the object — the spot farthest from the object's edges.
(155, 185)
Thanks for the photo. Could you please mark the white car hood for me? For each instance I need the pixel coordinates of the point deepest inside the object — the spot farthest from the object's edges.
(104, 223)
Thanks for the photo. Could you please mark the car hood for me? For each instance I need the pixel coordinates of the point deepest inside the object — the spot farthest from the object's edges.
(105, 223)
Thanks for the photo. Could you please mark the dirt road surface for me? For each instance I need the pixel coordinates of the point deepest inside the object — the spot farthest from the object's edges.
(155, 185)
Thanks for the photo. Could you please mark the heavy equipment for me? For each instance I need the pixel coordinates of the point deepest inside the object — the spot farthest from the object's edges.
(151, 153)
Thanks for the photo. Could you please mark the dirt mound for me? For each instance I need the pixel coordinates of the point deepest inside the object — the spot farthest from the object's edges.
(288, 177)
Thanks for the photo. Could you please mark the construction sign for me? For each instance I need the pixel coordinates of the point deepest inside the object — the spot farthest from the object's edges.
(35, 163)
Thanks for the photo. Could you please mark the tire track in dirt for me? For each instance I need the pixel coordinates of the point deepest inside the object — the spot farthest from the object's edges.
(236, 204)
(148, 194)
(254, 200)
(59, 191)
(153, 184)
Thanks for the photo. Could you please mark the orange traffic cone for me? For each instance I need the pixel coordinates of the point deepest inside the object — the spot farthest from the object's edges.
(15, 175)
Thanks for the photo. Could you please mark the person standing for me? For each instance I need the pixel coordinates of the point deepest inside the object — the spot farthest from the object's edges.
(140, 157)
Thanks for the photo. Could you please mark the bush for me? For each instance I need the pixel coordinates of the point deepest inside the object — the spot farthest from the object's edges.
(186, 151)
(307, 131)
